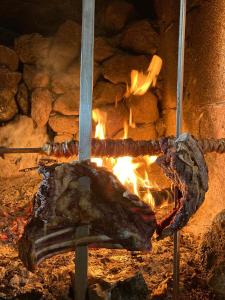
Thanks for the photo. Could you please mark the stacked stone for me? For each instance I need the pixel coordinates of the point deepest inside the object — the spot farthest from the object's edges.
(9, 79)
(49, 88)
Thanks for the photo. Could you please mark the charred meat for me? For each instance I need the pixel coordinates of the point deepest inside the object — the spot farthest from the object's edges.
(117, 219)
(184, 164)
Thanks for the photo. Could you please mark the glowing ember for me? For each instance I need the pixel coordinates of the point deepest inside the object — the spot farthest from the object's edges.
(141, 82)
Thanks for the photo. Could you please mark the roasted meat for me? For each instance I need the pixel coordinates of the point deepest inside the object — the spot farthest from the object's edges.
(183, 163)
(117, 218)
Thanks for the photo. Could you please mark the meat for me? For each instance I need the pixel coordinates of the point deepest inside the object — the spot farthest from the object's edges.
(118, 148)
(108, 147)
(117, 218)
(183, 163)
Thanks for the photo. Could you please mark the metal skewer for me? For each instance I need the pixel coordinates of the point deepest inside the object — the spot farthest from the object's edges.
(85, 124)
(180, 85)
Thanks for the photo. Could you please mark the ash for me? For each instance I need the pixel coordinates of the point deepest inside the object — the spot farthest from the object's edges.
(52, 280)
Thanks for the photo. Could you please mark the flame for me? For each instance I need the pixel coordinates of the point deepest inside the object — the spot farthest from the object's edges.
(150, 159)
(141, 82)
(125, 168)
(100, 119)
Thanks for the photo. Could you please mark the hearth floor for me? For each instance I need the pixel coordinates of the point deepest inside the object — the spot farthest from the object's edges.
(52, 279)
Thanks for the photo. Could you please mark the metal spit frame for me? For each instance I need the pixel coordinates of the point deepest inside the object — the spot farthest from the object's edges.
(85, 128)
(180, 86)
(86, 79)
(85, 123)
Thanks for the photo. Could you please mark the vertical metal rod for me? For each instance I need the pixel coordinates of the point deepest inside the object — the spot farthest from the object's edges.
(86, 80)
(180, 85)
(85, 128)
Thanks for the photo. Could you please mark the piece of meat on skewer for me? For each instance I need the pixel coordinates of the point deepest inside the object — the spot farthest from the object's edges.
(184, 164)
(117, 218)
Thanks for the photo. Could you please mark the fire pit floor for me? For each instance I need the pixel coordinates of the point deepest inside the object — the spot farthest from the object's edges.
(52, 280)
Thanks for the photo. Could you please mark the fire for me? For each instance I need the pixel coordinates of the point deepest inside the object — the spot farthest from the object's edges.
(125, 168)
(141, 82)
(100, 119)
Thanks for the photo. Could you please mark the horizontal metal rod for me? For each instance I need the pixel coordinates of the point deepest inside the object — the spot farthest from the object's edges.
(113, 148)
(6, 150)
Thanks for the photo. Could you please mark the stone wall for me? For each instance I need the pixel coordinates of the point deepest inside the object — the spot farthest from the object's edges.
(40, 77)
(39, 83)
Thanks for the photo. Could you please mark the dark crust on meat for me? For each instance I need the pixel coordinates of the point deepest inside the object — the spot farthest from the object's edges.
(60, 204)
(183, 163)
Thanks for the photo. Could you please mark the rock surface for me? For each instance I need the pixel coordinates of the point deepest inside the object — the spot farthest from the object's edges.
(21, 132)
(22, 99)
(9, 79)
(140, 132)
(107, 93)
(64, 124)
(144, 108)
(65, 46)
(117, 69)
(63, 137)
(115, 118)
(8, 58)
(116, 15)
(102, 49)
(8, 107)
(212, 254)
(41, 106)
(68, 103)
(33, 49)
(35, 78)
(146, 132)
(141, 38)
(64, 81)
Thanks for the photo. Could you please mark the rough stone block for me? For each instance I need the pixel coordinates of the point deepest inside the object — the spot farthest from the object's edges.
(116, 15)
(107, 93)
(8, 107)
(68, 103)
(117, 69)
(35, 78)
(102, 49)
(9, 79)
(22, 99)
(8, 58)
(63, 137)
(65, 46)
(63, 81)
(41, 106)
(33, 49)
(20, 132)
(115, 118)
(144, 108)
(64, 124)
(141, 38)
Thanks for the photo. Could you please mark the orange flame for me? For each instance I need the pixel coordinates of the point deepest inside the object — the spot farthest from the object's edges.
(141, 82)
(125, 168)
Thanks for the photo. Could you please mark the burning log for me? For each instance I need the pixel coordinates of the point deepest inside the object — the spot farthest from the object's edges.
(184, 164)
(117, 218)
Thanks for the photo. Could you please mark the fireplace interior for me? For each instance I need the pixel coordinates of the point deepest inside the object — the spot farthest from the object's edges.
(134, 97)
